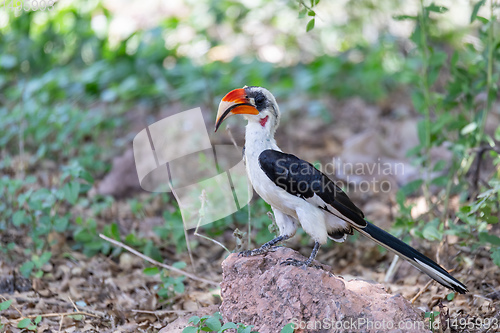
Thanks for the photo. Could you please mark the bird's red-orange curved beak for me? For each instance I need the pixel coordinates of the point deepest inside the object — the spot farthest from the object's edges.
(235, 102)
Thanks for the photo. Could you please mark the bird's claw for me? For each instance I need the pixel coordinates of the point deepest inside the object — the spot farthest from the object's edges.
(256, 252)
(295, 262)
(298, 263)
(246, 253)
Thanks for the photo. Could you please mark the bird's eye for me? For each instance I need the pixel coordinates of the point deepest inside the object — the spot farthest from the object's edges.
(259, 99)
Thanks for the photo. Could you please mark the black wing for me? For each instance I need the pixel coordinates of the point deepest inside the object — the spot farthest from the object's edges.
(302, 179)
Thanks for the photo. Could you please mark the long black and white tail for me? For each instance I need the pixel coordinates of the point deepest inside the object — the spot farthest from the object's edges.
(417, 259)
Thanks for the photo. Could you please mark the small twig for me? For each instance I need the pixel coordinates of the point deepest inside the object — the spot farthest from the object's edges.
(46, 315)
(203, 198)
(73, 303)
(228, 129)
(162, 312)
(443, 242)
(477, 165)
(61, 323)
(309, 9)
(186, 236)
(157, 263)
(421, 291)
(155, 313)
(392, 268)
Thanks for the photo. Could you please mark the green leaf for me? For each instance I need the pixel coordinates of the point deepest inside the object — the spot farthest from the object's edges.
(411, 187)
(190, 329)
(441, 181)
(213, 324)
(71, 191)
(311, 13)
(438, 58)
(495, 255)
(18, 218)
(469, 128)
(150, 271)
(38, 319)
(42, 260)
(302, 13)
(440, 165)
(194, 320)
(475, 10)
(24, 323)
(404, 17)
(437, 9)
(45, 257)
(77, 317)
(450, 296)
(179, 264)
(483, 20)
(61, 223)
(114, 232)
(163, 293)
(27, 268)
(5, 305)
(485, 237)
(245, 329)
(179, 288)
(423, 132)
(87, 177)
(497, 134)
(431, 231)
(152, 251)
(228, 326)
(310, 25)
(288, 328)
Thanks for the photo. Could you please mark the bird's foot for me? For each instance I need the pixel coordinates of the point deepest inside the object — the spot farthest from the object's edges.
(256, 252)
(299, 263)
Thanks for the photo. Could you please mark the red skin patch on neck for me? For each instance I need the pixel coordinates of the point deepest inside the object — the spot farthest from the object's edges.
(263, 121)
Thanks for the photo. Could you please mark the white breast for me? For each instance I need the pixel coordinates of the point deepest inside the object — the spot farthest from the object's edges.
(256, 141)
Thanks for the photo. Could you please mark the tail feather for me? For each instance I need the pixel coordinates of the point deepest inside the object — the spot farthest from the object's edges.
(417, 259)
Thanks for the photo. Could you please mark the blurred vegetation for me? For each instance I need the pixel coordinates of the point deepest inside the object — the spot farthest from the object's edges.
(66, 86)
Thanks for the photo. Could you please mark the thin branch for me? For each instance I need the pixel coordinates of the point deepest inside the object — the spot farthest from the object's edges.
(162, 312)
(186, 236)
(392, 269)
(157, 263)
(46, 315)
(424, 289)
(231, 137)
(74, 305)
(203, 198)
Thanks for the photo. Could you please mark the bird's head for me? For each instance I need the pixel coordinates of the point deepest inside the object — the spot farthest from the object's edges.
(257, 104)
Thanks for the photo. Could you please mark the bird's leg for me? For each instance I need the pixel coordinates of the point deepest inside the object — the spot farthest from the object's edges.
(264, 248)
(306, 263)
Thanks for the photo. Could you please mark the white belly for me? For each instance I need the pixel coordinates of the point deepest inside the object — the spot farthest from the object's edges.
(270, 192)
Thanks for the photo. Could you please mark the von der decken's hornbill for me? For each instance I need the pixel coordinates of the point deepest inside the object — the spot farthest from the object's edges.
(299, 193)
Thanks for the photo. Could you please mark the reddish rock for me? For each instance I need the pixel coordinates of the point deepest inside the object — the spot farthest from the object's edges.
(259, 291)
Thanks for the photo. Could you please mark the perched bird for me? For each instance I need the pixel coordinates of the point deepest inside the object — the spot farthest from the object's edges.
(300, 194)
